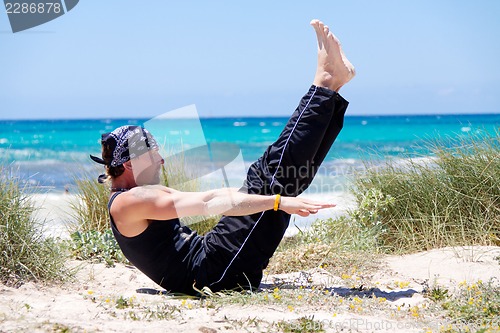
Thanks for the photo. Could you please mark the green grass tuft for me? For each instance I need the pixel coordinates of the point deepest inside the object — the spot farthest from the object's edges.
(90, 210)
(25, 254)
(452, 199)
(91, 235)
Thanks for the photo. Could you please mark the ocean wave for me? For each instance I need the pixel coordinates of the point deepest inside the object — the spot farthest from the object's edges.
(35, 155)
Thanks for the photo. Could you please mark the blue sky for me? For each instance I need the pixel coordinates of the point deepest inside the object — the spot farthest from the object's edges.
(130, 59)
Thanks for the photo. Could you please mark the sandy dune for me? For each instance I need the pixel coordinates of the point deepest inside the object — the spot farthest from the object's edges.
(92, 302)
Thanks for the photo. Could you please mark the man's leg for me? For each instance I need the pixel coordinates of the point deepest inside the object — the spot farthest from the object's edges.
(239, 247)
(289, 165)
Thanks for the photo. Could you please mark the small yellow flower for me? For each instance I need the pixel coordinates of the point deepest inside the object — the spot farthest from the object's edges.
(90, 292)
(345, 276)
(107, 300)
(334, 315)
(402, 284)
(299, 297)
(448, 328)
(290, 308)
(276, 294)
(186, 304)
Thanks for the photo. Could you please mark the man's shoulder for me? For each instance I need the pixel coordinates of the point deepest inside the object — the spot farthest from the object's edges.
(146, 191)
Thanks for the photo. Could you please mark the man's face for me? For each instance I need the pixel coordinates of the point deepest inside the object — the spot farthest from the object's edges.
(146, 168)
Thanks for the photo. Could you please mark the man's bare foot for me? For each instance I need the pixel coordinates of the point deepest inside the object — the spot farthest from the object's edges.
(334, 70)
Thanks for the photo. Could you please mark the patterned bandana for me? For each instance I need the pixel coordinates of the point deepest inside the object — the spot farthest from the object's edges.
(124, 144)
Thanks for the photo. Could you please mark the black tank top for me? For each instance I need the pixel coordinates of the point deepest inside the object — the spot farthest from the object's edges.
(164, 252)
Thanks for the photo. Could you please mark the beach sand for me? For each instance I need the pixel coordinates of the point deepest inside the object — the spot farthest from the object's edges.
(91, 303)
(54, 209)
(103, 299)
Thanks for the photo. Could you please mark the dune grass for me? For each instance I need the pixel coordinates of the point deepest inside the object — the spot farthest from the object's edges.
(90, 212)
(342, 246)
(451, 199)
(25, 254)
(407, 205)
(91, 235)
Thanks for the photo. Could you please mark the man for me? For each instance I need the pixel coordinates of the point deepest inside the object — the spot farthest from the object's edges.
(145, 219)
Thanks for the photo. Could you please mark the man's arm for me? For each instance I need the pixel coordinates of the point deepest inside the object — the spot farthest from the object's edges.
(162, 203)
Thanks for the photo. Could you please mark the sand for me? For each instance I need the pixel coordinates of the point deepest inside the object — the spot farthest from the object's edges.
(91, 303)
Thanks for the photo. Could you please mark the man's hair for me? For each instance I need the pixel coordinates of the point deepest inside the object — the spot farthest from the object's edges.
(120, 146)
(116, 171)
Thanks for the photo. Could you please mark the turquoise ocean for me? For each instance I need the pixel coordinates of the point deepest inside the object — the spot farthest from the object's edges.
(50, 154)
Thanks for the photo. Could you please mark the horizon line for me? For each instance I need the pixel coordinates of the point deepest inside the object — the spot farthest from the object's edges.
(255, 116)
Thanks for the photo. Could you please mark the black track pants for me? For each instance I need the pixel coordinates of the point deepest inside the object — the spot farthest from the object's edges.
(239, 247)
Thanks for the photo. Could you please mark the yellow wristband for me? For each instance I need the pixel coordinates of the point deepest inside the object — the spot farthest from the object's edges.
(277, 202)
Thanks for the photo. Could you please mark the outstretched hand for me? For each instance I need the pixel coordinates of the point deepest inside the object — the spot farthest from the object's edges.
(302, 207)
